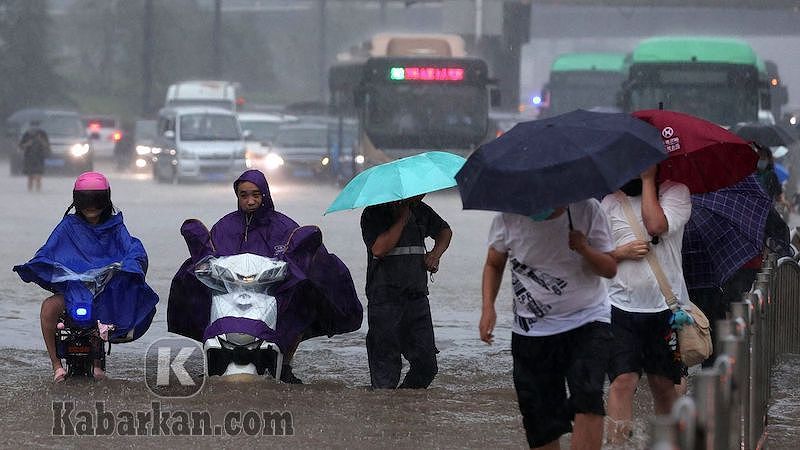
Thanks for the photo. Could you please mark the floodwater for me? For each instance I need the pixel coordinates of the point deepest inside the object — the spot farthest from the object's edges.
(470, 404)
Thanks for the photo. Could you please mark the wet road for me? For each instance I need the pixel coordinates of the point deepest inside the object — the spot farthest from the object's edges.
(470, 404)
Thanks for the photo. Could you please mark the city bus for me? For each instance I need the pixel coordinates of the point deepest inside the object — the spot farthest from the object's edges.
(413, 102)
(583, 80)
(719, 79)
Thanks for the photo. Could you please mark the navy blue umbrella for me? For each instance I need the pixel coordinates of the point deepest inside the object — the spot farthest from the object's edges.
(725, 230)
(552, 162)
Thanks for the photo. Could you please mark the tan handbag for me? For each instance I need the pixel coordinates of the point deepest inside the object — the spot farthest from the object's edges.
(694, 341)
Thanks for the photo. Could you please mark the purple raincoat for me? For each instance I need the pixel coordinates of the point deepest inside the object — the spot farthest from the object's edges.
(317, 298)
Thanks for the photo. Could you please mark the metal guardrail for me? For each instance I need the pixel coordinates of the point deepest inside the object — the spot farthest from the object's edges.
(728, 406)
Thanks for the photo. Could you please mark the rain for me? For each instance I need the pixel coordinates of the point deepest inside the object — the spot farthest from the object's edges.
(173, 99)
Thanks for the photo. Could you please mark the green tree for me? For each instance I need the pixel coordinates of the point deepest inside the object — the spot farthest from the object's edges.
(26, 68)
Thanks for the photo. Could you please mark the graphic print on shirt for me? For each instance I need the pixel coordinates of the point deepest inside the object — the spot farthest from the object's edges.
(523, 297)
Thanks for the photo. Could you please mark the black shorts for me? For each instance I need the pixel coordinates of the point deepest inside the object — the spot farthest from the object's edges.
(644, 342)
(543, 364)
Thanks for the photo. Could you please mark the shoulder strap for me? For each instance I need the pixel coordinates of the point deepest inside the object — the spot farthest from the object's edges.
(663, 284)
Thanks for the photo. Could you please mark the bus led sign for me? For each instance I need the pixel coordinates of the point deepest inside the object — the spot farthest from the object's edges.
(417, 73)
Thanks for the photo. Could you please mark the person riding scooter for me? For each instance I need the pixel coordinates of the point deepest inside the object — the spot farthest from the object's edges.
(96, 272)
(317, 296)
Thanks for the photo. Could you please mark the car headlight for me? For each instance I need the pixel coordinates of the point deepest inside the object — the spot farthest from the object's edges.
(79, 150)
(325, 160)
(272, 161)
(155, 150)
(142, 150)
(359, 159)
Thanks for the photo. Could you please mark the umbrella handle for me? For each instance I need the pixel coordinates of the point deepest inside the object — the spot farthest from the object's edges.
(569, 217)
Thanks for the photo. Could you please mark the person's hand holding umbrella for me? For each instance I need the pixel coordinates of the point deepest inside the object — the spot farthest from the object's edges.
(601, 263)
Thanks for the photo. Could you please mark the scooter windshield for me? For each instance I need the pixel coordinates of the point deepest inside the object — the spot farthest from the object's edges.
(94, 279)
(240, 285)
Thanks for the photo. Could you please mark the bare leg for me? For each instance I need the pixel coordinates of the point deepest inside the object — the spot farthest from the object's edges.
(664, 393)
(97, 370)
(682, 388)
(290, 354)
(587, 432)
(52, 307)
(555, 445)
(38, 181)
(30, 183)
(620, 407)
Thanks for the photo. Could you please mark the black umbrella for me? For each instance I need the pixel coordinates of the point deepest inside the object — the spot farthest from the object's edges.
(551, 162)
(765, 134)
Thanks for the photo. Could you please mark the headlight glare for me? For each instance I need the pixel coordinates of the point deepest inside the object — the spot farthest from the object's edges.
(79, 150)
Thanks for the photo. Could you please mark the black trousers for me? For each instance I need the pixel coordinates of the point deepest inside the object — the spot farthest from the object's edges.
(400, 327)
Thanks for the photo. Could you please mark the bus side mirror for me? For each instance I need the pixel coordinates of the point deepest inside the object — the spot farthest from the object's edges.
(169, 134)
(494, 96)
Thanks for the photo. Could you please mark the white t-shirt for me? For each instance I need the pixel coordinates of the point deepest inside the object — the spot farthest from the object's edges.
(635, 288)
(554, 288)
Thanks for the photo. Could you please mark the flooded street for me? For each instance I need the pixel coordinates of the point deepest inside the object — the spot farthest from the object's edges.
(471, 403)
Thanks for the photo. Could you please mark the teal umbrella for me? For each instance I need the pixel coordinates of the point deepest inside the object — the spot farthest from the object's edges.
(400, 179)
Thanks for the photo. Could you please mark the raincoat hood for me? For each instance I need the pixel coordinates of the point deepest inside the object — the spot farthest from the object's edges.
(257, 177)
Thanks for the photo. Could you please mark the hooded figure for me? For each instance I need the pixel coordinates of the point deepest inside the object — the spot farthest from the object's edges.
(317, 298)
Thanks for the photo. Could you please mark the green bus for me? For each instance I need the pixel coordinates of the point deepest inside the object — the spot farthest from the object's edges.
(719, 79)
(583, 80)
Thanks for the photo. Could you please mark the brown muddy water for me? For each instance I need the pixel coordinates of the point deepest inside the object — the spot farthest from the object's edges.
(471, 404)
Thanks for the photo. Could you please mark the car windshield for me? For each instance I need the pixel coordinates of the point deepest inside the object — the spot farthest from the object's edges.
(226, 104)
(63, 126)
(146, 129)
(209, 127)
(302, 137)
(261, 130)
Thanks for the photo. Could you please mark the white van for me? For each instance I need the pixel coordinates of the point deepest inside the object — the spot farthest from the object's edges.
(221, 94)
(198, 143)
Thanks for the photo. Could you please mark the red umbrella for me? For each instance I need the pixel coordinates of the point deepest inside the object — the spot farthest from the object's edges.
(702, 155)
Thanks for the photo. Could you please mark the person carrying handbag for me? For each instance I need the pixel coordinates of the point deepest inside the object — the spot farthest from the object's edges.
(647, 223)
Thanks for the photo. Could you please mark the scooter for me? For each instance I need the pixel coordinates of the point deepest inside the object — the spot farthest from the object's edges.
(79, 340)
(242, 302)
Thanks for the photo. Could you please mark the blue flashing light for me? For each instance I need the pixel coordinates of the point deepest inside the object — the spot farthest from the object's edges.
(81, 311)
(536, 100)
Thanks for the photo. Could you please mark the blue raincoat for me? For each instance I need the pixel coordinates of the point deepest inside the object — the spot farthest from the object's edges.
(76, 247)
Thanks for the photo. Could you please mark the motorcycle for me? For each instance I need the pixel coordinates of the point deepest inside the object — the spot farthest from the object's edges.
(242, 288)
(80, 337)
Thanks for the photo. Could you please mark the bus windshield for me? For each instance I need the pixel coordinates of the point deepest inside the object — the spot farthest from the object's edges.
(209, 127)
(426, 115)
(717, 96)
(584, 90)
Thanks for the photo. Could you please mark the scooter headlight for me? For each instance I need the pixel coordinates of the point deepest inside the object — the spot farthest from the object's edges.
(359, 159)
